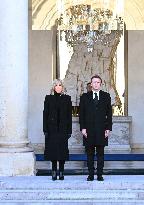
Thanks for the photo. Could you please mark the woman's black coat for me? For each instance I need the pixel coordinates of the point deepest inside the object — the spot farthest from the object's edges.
(57, 126)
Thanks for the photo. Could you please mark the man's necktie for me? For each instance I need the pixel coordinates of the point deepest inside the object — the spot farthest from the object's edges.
(96, 98)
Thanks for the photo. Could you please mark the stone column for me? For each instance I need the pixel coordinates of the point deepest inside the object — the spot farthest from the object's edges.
(16, 157)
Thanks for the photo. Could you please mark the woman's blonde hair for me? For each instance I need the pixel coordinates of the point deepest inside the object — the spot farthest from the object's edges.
(56, 82)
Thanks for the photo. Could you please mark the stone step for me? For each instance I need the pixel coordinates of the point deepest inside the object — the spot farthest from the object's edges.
(84, 171)
(73, 190)
(108, 165)
(107, 157)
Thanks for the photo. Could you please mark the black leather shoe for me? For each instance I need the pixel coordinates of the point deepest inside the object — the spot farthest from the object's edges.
(100, 178)
(61, 176)
(54, 175)
(90, 178)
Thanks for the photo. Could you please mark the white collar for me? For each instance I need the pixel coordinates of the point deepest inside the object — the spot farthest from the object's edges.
(95, 92)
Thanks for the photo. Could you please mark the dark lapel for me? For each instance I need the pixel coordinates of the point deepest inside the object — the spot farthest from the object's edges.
(101, 96)
(55, 102)
(62, 99)
(53, 97)
(90, 96)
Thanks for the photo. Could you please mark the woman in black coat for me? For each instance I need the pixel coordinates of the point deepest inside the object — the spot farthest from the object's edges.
(57, 127)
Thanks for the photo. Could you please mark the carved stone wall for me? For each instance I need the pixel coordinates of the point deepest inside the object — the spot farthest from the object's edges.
(83, 65)
(119, 139)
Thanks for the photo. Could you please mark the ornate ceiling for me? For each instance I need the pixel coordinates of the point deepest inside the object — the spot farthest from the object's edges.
(134, 14)
(44, 13)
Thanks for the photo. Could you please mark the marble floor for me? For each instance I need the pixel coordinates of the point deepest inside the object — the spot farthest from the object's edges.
(74, 190)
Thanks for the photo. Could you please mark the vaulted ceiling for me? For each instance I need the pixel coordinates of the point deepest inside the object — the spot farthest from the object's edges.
(44, 13)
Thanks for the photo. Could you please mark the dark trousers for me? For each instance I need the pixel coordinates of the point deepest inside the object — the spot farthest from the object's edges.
(61, 165)
(90, 159)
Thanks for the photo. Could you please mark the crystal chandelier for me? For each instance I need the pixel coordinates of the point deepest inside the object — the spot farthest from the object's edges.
(84, 23)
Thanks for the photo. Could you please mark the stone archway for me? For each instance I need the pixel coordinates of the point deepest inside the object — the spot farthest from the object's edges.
(44, 14)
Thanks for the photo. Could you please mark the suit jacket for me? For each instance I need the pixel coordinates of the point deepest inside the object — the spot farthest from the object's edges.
(96, 118)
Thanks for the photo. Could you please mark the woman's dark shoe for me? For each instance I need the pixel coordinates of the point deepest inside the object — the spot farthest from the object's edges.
(90, 178)
(61, 176)
(54, 175)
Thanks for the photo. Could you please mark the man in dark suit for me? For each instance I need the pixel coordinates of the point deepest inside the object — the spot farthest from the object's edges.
(95, 124)
(88, 87)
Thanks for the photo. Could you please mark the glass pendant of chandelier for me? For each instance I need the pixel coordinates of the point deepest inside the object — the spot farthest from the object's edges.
(84, 21)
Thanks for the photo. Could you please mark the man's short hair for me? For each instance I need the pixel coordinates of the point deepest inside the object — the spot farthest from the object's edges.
(96, 76)
(88, 83)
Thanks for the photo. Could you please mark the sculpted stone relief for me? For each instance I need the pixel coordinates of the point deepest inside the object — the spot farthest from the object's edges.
(83, 65)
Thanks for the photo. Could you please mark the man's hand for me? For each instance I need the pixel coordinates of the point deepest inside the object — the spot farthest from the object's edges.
(84, 133)
(107, 133)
